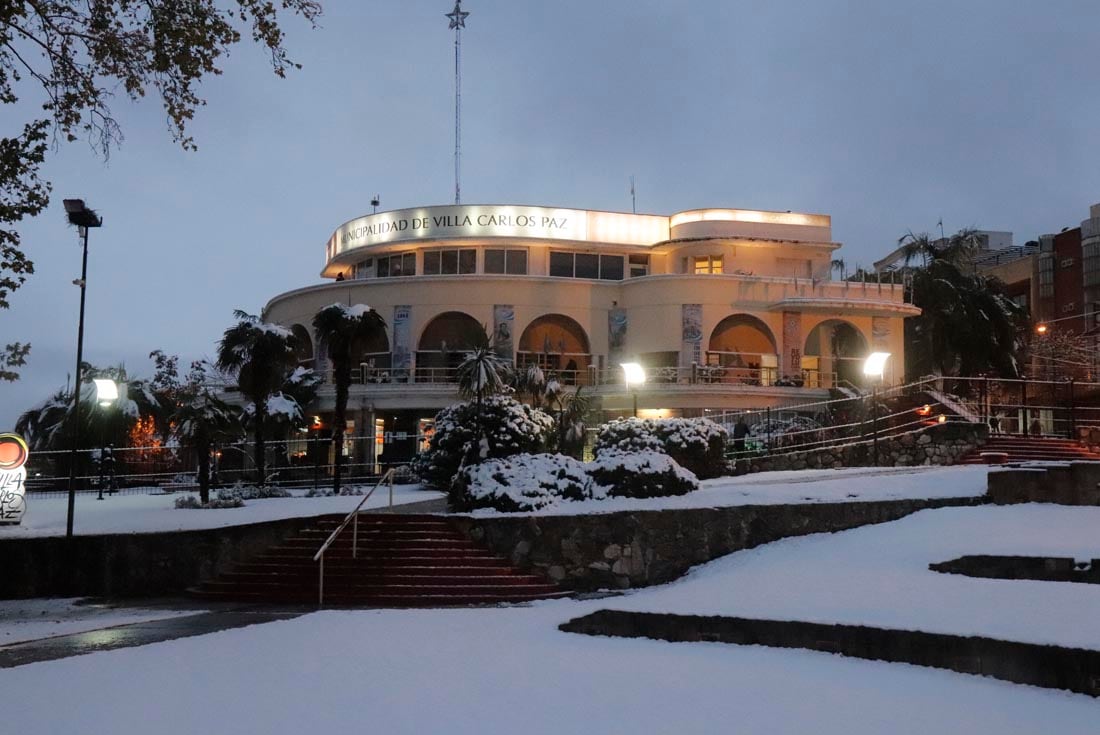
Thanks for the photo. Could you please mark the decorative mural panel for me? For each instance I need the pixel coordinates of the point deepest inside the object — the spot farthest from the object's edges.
(691, 334)
(504, 324)
(792, 343)
(402, 323)
(617, 322)
(880, 333)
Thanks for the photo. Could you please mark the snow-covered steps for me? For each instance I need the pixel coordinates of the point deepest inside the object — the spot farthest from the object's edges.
(401, 561)
(1028, 449)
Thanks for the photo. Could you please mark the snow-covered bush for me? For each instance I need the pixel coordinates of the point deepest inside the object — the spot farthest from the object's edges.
(645, 474)
(192, 502)
(520, 483)
(405, 475)
(511, 428)
(699, 445)
(240, 491)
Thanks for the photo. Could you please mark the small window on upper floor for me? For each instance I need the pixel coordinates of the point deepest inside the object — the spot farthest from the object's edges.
(639, 266)
(450, 262)
(586, 265)
(706, 264)
(392, 266)
(512, 262)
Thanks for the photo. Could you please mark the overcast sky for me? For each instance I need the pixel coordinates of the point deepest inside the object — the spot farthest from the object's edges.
(885, 115)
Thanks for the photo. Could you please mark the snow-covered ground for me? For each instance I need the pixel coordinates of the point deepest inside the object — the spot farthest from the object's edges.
(28, 620)
(506, 671)
(878, 575)
(153, 513)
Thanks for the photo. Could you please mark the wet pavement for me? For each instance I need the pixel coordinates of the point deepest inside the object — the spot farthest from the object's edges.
(139, 634)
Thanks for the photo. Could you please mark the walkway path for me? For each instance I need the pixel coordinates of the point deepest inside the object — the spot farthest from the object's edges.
(139, 634)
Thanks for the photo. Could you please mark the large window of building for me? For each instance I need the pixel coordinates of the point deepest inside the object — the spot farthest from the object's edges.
(1046, 275)
(450, 262)
(1091, 263)
(639, 266)
(586, 265)
(704, 264)
(513, 262)
(399, 264)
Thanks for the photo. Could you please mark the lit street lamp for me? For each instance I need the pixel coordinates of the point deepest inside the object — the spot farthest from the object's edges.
(106, 392)
(633, 376)
(83, 218)
(873, 368)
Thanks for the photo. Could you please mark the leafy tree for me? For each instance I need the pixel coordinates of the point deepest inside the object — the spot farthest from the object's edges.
(262, 356)
(967, 325)
(343, 328)
(73, 56)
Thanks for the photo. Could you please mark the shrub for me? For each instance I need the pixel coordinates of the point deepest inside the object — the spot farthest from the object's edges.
(192, 502)
(520, 483)
(699, 445)
(511, 428)
(240, 491)
(645, 474)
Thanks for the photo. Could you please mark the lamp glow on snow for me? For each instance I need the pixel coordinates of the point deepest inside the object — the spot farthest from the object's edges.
(875, 364)
(106, 391)
(633, 376)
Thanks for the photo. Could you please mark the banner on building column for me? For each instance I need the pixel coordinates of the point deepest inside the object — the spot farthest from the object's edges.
(402, 318)
(504, 323)
(13, 478)
(880, 333)
(792, 344)
(616, 335)
(691, 334)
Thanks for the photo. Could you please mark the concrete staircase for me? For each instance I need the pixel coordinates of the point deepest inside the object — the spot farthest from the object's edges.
(402, 561)
(1031, 449)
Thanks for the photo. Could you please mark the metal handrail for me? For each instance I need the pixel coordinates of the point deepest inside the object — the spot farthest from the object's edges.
(354, 515)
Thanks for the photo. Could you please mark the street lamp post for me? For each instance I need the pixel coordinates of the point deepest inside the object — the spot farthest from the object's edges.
(873, 368)
(633, 376)
(83, 218)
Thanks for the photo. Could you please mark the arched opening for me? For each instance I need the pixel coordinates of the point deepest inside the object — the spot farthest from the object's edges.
(303, 345)
(558, 344)
(743, 348)
(444, 343)
(835, 350)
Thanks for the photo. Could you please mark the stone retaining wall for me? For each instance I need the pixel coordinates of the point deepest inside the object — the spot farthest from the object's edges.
(1065, 483)
(943, 444)
(1043, 568)
(1075, 669)
(640, 548)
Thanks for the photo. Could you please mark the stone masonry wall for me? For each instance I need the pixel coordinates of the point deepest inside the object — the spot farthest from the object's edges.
(636, 549)
(943, 444)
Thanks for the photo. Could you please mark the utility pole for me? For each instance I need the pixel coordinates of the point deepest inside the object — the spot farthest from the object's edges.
(458, 22)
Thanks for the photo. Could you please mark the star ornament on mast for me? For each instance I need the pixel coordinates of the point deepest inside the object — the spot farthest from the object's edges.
(457, 16)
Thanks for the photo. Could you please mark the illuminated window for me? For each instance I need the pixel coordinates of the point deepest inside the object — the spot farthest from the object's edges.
(513, 262)
(586, 265)
(392, 266)
(450, 262)
(706, 264)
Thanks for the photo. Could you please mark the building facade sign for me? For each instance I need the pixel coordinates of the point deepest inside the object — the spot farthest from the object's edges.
(460, 221)
(402, 356)
(13, 478)
(691, 334)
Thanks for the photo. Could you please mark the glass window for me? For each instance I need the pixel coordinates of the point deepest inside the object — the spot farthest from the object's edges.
(408, 264)
(561, 264)
(587, 265)
(639, 266)
(611, 267)
(707, 264)
(431, 263)
(517, 262)
(450, 262)
(383, 269)
(391, 266)
(494, 261)
(467, 260)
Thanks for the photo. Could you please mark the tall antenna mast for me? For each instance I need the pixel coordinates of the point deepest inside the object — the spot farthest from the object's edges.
(633, 199)
(458, 22)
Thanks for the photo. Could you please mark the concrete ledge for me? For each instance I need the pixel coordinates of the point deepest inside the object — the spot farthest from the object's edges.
(1055, 667)
(1041, 568)
(640, 548)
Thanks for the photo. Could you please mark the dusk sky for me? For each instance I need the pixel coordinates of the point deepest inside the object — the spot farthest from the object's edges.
(886, 116)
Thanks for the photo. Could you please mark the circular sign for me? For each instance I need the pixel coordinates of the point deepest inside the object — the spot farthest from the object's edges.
(13, 451)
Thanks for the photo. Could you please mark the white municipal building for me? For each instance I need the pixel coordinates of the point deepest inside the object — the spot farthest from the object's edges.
(725, 309)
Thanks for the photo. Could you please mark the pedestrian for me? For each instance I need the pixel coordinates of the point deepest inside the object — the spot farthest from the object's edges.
(1036, 427)
(740, 431)
(995, 423)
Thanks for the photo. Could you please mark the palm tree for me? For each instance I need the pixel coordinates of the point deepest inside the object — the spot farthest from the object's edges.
(483, 373)
(343, 328)
(570, 411)
(262, 355)
(202, 419)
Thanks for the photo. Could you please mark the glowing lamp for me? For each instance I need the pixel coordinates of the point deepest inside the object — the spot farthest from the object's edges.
(875, 364)
(633, 373)
(105, 391)
(1041, 329)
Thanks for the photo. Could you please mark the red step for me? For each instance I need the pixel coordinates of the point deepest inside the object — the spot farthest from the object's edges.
(1032, 449)
(401, 561)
